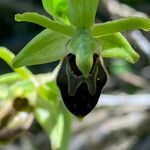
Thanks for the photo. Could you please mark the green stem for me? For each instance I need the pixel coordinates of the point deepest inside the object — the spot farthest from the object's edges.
(120, 25)
(7, 56)
(46, 22)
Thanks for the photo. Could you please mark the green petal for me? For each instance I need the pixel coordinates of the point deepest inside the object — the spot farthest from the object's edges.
(48, 46)
(46, 22)
(82, 12)
(57, 8)
(116, 46)
(121, 25)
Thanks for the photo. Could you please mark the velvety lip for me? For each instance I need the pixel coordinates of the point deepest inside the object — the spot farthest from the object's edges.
(80, 95)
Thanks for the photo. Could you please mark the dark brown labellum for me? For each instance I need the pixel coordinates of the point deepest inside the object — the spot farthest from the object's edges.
(80, 95)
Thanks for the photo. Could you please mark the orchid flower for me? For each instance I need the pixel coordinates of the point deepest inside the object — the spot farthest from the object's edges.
(73, 38)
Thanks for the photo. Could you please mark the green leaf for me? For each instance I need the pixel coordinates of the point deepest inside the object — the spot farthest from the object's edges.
(57, 8)
(82, 12)
(116, 46)
(121, 25)
(67, 130)
(46, 22)
(57, 133)
(48, 46)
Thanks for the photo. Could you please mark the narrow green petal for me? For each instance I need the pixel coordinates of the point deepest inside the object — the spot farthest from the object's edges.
(82, 12)
(46, 22)
(116, 46)
(121, 25)
(48, 46)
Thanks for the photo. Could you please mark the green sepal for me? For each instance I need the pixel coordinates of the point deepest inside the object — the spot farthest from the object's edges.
(82, 12)
(48, 46)
(83, 47)
(57, 8)
(116, 46)
(120, 25)
(46, 23)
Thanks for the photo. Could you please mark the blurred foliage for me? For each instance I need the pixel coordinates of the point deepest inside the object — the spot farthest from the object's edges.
(24, 96)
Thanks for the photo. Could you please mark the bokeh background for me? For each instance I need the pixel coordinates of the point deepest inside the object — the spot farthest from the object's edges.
(121, 119)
